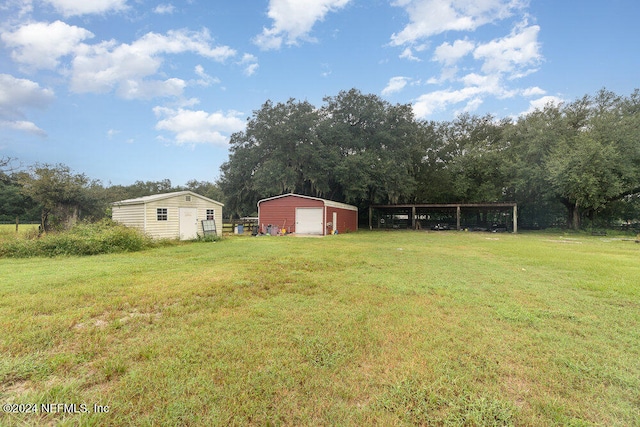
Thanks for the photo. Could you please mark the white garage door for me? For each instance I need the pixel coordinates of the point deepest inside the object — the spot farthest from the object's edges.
(309, 220)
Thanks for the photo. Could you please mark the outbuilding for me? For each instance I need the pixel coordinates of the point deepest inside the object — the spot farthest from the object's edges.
(300, 214)
(177, 215)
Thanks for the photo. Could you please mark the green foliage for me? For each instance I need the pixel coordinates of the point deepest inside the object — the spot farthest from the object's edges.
(15, 204)
(58, 197)
(374, 141)
(279, 152)
(561, 163)
(208, 238)
(83, 239)
(60, 193)
(206, 189)
(355, 149)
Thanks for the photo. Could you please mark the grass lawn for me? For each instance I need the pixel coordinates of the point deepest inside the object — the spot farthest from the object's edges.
(370, 328)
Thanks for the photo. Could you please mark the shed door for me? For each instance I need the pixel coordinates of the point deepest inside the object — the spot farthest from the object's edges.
(309, 220)
(188, 223)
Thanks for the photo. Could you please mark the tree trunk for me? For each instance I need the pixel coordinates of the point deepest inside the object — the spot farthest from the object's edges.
(72, 214)
(576, 217)
(573, 214)
(44, 223)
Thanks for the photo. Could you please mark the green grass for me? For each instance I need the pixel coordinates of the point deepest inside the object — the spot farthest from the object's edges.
(102, 237)
(371, 328)
(9, 230)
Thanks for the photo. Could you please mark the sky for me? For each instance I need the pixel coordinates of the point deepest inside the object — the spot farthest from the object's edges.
(141, 90)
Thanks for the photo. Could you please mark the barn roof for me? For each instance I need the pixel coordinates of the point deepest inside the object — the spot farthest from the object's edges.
(156, 197)
(326, 202)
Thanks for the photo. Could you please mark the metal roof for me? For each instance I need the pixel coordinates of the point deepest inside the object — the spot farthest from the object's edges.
(326, 202)
(156, 197)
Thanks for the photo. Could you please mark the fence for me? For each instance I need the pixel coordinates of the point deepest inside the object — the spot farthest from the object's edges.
(239, 226)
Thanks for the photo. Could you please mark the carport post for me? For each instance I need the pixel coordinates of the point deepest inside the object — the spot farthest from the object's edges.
(413, 217)
(515, 218)
(458, 217)
(370, 215)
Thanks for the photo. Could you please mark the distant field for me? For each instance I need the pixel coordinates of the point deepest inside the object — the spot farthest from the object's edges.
(370, 328)
(10, 229)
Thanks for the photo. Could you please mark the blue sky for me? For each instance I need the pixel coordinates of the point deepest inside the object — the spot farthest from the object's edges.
(126, 90)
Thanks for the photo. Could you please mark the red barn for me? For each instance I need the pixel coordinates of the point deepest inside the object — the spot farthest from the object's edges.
(306, 215)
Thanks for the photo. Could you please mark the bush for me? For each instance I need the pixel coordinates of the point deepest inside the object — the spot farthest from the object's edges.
(84, 239)
(208, 238)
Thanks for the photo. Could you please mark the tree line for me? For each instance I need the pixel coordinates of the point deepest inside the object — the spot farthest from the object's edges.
(57, 197)
(565, 164)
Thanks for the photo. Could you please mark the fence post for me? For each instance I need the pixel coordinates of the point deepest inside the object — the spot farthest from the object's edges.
(17, 222)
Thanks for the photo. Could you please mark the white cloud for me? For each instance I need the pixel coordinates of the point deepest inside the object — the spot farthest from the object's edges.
(540, 103)
(205, 79)
(251, 69)
(179, 41)
(148, 89)
(85, 7)
(126, 67)
(432, 102)
(22, 8)
(164, 9)
(489, 66)
(41, 45)
(199, 127)
(326, 70)
(22, 125)
(476, 88)
(407, 53)
(512, 53)
(129, 69)
(447, 74)
(293, 20)
(488, 83)
(18, 95)
(396, 84)
(431, 17)
(533, 91)
(250, 63)
(473, 105)
(449, 54)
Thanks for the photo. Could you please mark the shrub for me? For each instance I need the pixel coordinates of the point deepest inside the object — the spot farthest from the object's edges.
(84, 239)
(208, 238)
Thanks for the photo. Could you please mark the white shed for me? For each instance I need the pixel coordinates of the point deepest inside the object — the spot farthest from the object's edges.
(176, 215)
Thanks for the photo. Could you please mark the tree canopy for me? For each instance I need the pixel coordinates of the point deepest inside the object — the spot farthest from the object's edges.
(356, 148)
(57, 197)
(564, 164)
(567, 160)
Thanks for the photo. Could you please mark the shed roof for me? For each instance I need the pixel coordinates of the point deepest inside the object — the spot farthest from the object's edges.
(326, 202)
(156, 197)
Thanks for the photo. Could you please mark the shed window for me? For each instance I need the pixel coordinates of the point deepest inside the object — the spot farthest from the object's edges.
(187, 198)
(162, 214)
(211, 214)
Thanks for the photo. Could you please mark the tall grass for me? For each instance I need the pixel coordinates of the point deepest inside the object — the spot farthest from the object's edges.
(359, 329)
(83, 239)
